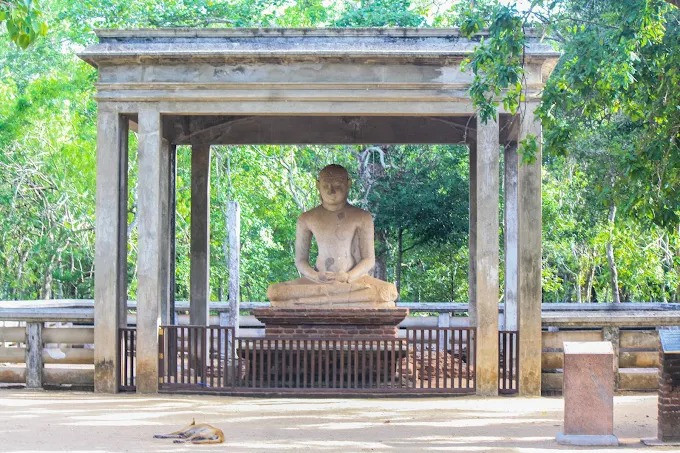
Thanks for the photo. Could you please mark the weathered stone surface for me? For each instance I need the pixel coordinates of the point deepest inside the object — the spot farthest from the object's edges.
(344, 235)
(200, 235)
(588, 393)
(529, 291)
(487, 256)
(331, 323)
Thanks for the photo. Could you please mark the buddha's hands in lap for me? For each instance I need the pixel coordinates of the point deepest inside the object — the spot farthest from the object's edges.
(332, 277)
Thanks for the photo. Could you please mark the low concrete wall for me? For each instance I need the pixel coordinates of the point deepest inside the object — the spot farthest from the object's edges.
(66, 352)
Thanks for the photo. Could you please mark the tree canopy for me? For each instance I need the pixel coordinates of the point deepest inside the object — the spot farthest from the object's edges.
(611, 157)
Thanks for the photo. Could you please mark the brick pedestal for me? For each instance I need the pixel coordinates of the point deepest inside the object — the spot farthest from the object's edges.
(588, 391)
(669, 398)
(377, 323)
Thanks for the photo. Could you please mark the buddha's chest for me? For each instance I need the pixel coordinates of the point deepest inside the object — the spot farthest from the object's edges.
(334, 227)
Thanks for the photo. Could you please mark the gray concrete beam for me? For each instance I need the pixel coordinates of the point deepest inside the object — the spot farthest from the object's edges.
(110, 289)
(486, 257)
(226, 129)
(153, 243)
(529, 270)
(200, 235)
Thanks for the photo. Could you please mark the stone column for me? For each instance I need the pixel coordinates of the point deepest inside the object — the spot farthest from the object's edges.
(234, 235)
(200, 235)
(152, 264)
(110, 290)
(172, 225)
(472, 234)
(486, 259)
(511, 236)
(529, 271)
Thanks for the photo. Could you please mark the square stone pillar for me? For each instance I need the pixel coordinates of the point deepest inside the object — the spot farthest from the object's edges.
(153, 256)
(110, 279)
(529, 260)
(511, 237)
(472, 234)
(200, 235)
(588, 392)
(486, 257)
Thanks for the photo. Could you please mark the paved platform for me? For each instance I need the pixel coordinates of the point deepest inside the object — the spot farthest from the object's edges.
(79, 422)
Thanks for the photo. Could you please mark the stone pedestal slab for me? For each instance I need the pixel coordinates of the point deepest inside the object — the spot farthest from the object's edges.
(378, 323)
(588, 391)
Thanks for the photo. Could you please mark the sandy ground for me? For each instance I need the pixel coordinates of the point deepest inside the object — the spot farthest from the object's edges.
(79, 422)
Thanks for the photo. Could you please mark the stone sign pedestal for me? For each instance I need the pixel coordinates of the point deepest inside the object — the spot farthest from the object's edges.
(669, 390)
(588, 391)
(316, 323)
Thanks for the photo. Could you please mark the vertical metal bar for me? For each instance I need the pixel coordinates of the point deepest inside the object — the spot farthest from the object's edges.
(422, 356)
(513, 355)
(312, 369)
(125, 350)
(447, 357)
(219, 354)
(132, 335)
(181, 351)
(269, 363)
(503, 337)
(385, 352)
(297, 364)
(375, 351)
(460, 357)
(211, 355)
(363, 364)
(393, 363)
(260, 348)
(247, 360)
(355, 354)
(328, 355)
(472, 344)
(304, 365)
(237, 361)
(437, 364)
(342, 364)
(291, 367)
(161, 361)
(429, 358)
(204, 352)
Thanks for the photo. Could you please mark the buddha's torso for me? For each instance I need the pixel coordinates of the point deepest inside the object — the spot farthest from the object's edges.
(336, 234)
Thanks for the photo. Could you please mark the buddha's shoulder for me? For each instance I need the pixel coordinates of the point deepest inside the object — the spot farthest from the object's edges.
(358, 213)
(311, 214)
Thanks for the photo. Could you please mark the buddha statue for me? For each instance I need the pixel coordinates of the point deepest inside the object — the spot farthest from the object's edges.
(344, 235)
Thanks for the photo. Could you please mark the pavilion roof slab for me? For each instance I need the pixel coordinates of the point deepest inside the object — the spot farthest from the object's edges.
(173, 45)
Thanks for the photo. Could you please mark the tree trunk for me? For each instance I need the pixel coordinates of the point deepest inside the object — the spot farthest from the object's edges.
(614, 280)
(380, 269)
(397, 273)
(589, 284)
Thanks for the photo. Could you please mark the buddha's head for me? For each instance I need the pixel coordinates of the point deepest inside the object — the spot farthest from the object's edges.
(333, 185)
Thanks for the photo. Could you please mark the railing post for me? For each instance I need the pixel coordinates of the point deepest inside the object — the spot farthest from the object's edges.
(612, 333)
(34, 359)
(443, 321)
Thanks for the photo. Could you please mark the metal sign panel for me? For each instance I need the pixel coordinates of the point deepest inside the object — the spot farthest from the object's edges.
(670, 341)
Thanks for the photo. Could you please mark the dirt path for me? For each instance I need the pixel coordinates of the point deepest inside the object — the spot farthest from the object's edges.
(78, 422)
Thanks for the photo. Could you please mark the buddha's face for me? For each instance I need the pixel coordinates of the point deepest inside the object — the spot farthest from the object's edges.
(333, 189)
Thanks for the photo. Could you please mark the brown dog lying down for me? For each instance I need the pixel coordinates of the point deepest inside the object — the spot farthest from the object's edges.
(196, 434)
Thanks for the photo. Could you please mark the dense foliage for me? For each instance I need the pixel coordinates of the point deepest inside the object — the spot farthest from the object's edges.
(611, 158)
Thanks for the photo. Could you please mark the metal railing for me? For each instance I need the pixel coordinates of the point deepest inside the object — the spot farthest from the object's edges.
(127, 359)
(211, 359)
(508, 361)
